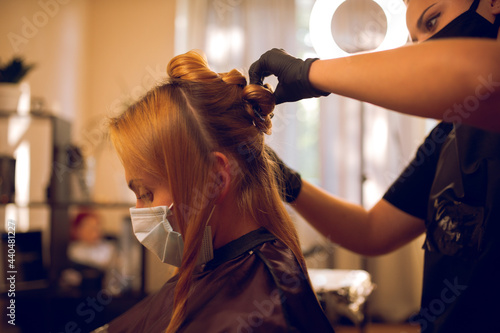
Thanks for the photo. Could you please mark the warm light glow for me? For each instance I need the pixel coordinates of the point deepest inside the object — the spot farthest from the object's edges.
(10, 215)
(371, 192)
(23, 163)
(377, 146)
(17, 128)
(23, 107)
(320, 27)
(222, 42)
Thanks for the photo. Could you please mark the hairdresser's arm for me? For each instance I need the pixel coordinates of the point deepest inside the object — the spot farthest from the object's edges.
(380, 230)
(436, 79)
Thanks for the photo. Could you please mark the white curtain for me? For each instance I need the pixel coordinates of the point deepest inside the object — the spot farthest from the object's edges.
(351, 149)
(234, 33)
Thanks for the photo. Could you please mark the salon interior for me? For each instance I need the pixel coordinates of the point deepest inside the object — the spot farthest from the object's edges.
(62, 184)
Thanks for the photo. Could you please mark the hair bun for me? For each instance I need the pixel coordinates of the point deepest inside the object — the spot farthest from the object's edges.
(262, 102)
(191, 66)
(234, 77)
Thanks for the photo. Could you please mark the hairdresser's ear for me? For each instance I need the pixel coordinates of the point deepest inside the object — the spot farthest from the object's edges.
(495, 7)
(223, 176)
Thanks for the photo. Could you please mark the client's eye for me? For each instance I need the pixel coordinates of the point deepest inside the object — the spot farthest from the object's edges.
(146, 197)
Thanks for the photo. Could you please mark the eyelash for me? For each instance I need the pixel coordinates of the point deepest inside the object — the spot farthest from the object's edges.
(148, 197)
(432, 18)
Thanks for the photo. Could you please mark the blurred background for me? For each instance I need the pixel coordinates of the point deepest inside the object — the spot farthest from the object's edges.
(63, 189)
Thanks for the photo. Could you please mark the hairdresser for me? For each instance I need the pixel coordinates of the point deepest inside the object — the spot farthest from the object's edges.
(451, 73)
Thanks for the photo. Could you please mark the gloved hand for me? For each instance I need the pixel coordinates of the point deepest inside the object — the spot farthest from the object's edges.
(292, 73)
(289, 181)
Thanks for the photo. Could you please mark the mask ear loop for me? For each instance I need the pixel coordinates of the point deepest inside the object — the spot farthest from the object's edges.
(210, 216)
(168, 212)
(206, 251)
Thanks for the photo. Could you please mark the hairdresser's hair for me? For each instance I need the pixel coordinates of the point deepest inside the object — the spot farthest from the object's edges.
(171, 134)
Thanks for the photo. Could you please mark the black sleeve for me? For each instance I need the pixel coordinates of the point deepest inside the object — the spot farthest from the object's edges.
(410, 192)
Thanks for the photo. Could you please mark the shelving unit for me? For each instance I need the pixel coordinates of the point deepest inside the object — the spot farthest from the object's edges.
(45, 306)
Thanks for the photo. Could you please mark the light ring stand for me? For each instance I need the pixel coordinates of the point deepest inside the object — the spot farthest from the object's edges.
(321, 19)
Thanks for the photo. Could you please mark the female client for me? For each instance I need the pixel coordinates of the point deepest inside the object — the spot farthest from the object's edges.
(207, 201)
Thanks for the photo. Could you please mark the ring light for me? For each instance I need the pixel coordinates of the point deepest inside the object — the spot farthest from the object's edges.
(321, 32)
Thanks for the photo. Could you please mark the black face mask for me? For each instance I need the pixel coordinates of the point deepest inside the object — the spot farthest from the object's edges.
(469, 24)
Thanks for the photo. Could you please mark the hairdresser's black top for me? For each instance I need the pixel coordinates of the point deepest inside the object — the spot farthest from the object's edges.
(454, 185)
(253, 284)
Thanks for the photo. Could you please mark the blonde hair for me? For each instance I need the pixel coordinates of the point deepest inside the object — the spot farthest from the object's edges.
(171, 134)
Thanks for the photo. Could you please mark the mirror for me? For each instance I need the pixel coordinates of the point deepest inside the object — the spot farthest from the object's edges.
(340, 28)
(359, 25)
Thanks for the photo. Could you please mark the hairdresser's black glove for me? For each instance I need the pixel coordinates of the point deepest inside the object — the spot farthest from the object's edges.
(292, 73)
(289, 181)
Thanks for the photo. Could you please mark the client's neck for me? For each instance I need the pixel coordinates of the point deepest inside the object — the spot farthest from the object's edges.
(229, 223)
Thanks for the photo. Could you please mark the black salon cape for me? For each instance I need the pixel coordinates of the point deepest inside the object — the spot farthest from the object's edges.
(253, 284)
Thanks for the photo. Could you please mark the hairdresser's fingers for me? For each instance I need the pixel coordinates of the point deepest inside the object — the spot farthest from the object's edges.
(284, 66)
(281, 95)
(269, 63)
(256, 74)
(292, 73)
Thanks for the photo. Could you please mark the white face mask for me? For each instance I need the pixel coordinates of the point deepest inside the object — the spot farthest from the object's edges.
(153, 230)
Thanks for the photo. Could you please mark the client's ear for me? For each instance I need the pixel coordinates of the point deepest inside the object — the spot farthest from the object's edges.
(223, 176)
